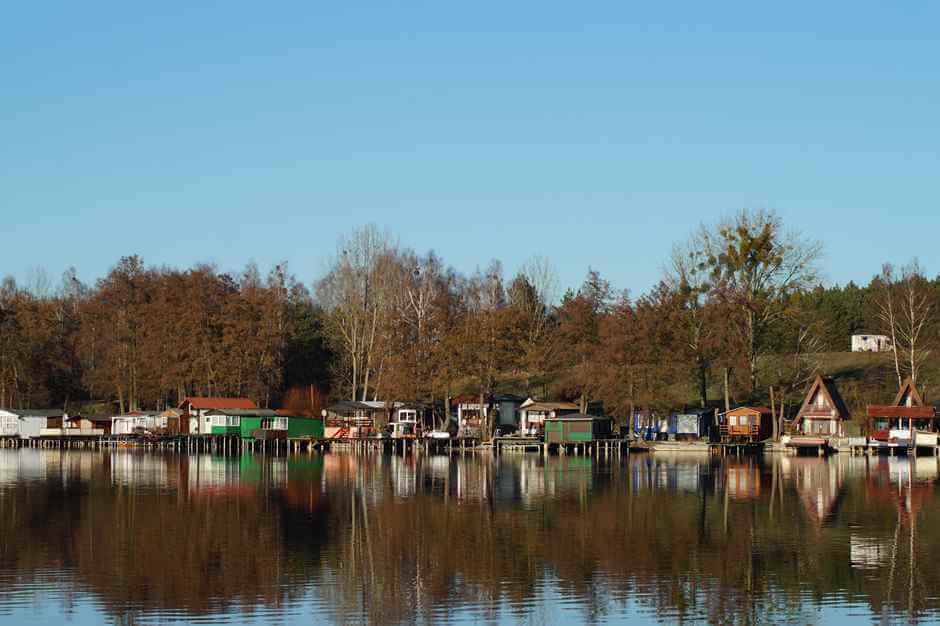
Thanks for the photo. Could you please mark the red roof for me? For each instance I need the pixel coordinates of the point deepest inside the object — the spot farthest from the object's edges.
(219, 403)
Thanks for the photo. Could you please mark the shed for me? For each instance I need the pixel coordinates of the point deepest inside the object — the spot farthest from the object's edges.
(577, 428)
(692, 424)
(746, 424)
(31, 422)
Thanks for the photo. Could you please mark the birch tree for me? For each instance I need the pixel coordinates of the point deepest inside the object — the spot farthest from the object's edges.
(355, 294)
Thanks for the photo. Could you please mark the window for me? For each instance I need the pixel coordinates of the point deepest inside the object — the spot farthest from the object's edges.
(280, 423)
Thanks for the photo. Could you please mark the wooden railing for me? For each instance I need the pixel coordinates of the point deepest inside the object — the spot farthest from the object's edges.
(738, 431)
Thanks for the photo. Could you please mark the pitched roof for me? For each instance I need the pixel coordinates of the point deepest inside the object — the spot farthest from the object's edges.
(741, 410)
(218, 403)
(243, 412)
(827, 387)
(908, 390)
(349, 405)
(551, 406)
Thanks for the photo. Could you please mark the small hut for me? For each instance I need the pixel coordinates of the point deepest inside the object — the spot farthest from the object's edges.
(821, 416)
(691, 424)
(577, 428)
(746, 424)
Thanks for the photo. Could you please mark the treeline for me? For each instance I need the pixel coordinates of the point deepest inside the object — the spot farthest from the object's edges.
(739, 315)
(145, 337)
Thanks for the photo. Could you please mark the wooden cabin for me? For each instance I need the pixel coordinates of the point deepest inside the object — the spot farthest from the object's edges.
(821, 416)
(532, 415)
(349, 419)
(294, 426)
(195, 408)
(237, 422)
(746, 424)
(137, 422)
(908, 419)
(577, 428)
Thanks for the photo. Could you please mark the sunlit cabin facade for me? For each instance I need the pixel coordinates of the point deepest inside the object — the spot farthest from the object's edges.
(533, 413)
(908, 419)
(193, 410)
(349, 419)
(746, 424)
(822, 415)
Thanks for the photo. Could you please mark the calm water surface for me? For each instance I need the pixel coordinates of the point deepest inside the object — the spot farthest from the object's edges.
(131, 537)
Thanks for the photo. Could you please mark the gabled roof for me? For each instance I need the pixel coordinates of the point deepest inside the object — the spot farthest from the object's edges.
(908, 390)
(244, 412)
(551, 406)
(199, 402)
(746, 410)
(827, 387)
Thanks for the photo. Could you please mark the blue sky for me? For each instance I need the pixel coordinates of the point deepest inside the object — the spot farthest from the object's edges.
(595, 134)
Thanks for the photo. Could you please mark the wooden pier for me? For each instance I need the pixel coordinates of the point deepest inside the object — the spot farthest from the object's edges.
(234, 444)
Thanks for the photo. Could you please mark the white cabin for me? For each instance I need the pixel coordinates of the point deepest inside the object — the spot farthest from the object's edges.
(870, 343)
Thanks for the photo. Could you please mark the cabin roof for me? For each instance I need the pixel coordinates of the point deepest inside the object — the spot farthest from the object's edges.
(552, 406)
(908, 389)
(749, 410)
(206, 402)
(576, 417)
(827, 387)
(349, 405)
(244, 412)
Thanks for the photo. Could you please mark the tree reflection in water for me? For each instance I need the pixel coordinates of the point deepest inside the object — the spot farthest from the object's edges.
(389, 539)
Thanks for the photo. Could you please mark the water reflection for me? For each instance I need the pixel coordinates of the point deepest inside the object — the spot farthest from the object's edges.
(140, 537)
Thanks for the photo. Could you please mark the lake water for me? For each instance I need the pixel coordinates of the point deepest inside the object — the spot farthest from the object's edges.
(132, 537)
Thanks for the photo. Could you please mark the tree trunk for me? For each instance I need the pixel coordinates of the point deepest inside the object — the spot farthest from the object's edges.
(703, 385)
(727, 393)
(773, 414)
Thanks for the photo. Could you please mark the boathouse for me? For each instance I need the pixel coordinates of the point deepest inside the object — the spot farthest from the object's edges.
(196, 407)
(908, 421)
(348, 418)
(746, 424)
(577, 428)
(137, 422)
(532, 415)
(821, 416)
(690, 425)
(237, 422)
(28, 423)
